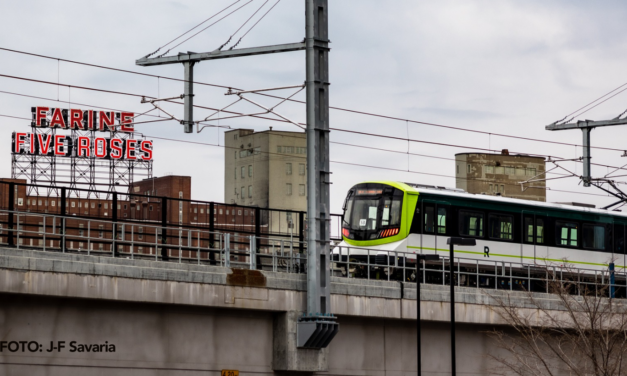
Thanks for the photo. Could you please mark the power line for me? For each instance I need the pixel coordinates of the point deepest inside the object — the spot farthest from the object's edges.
(331, 107)
(283, 121)
(599, 98)
(252, 27)
(152, 53)
(240, 28)
(340, 162)
(206, 28)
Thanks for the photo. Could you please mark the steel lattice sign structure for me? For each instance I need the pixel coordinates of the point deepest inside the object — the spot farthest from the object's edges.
(88, 149)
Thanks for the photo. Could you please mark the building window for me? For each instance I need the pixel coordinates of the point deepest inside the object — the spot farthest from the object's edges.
(53, 203)
(301, 169)
(80, 231)
(73, 204)
(235, 154)
(243, 193)
(520, 171)
(502, 189)
(93, 205)
(140, 233)
(100, 231)
(278, 149)
(243, 171)
(39, 202)
(531, 171)
(250, 171)
(288, 169)
(20, 201)
(288, 188)
(106, 206)
(235, 174)
(250, 191)
(510, 171)
(490, 190)
(468, 169)
(488, 169)
(301, 189)
(499, 170)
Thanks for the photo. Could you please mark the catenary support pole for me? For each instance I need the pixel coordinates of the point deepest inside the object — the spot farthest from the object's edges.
(418, 331)
(318, 215)
(452, 283)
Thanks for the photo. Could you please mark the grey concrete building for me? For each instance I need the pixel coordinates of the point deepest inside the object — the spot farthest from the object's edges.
(266, 169)
(500, 174)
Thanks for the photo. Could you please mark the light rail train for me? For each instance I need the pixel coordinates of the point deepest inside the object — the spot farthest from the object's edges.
(399, 220)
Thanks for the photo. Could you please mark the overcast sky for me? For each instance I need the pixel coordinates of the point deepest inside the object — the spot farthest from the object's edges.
(508, 67)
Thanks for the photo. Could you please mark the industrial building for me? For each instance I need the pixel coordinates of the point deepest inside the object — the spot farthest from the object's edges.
(266, 169)
(500, 174)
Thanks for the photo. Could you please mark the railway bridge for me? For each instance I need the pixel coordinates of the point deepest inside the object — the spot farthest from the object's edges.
(76, 314)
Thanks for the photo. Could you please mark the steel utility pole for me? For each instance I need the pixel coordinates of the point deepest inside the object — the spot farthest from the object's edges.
(318, 327)
(586, 127)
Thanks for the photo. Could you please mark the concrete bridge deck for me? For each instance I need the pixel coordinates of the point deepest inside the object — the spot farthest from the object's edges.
(182, 319)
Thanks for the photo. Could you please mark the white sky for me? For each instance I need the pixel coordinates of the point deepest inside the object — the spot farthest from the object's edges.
(509, 67)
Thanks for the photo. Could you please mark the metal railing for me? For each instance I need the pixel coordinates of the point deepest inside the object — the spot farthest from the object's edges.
(67, 234)
(352, 262)
(48, 232)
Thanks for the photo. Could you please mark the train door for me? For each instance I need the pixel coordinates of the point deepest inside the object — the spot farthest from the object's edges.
(619, 244)
(534, 242)
(436, 220)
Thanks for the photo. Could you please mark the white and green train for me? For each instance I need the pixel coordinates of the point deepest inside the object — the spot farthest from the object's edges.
(385, 219)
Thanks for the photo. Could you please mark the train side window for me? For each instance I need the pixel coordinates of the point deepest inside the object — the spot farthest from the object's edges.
(442, 220)
(528, 230)
(470, 223)
(594, 236)
(566, 233)
(539, 231)
(501, 226)
(619, 239)
(429, 219)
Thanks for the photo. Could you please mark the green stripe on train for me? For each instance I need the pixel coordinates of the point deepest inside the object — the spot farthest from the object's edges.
(513, 256)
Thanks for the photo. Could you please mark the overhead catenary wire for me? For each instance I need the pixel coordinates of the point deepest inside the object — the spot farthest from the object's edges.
(241, 26)
(252, 27)
(340, 162)
(205, 28)
(284, 121)
(158, 49)
(411, 121)
(594, 101)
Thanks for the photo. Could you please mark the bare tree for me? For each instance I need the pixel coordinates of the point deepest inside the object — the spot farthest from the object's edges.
(575, 330)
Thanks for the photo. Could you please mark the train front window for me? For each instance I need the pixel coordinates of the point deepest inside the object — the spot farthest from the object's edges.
(370, 209)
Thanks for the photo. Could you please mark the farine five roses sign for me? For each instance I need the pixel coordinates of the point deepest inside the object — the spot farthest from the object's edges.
(63, 145)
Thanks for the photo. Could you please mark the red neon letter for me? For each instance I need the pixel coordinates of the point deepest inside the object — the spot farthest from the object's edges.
(58, 144)
(83, 144)
(106, 118)
(40, 114)
(130, 149)
(126, 119)
(19, 141)
(57, 119)
(116, 150)
(32, 139)
(44, 146)
(100, 147)
(146, 147)
(90, 120)
(76, 117)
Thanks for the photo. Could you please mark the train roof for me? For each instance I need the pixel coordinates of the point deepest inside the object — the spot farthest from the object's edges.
(461, 194)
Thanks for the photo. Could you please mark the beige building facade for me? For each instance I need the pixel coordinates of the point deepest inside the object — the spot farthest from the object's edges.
(500, 174)
(266, 169)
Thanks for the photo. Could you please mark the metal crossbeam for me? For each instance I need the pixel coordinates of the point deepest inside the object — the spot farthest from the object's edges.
(586, 127)
(196, 57)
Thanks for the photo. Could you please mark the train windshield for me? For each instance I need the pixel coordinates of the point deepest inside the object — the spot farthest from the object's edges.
(372, 211)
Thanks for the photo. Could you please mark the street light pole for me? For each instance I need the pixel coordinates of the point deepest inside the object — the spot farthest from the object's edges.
(452, 242)
(419, 260)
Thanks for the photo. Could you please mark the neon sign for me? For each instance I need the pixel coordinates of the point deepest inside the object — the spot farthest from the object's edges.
(77, 145)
